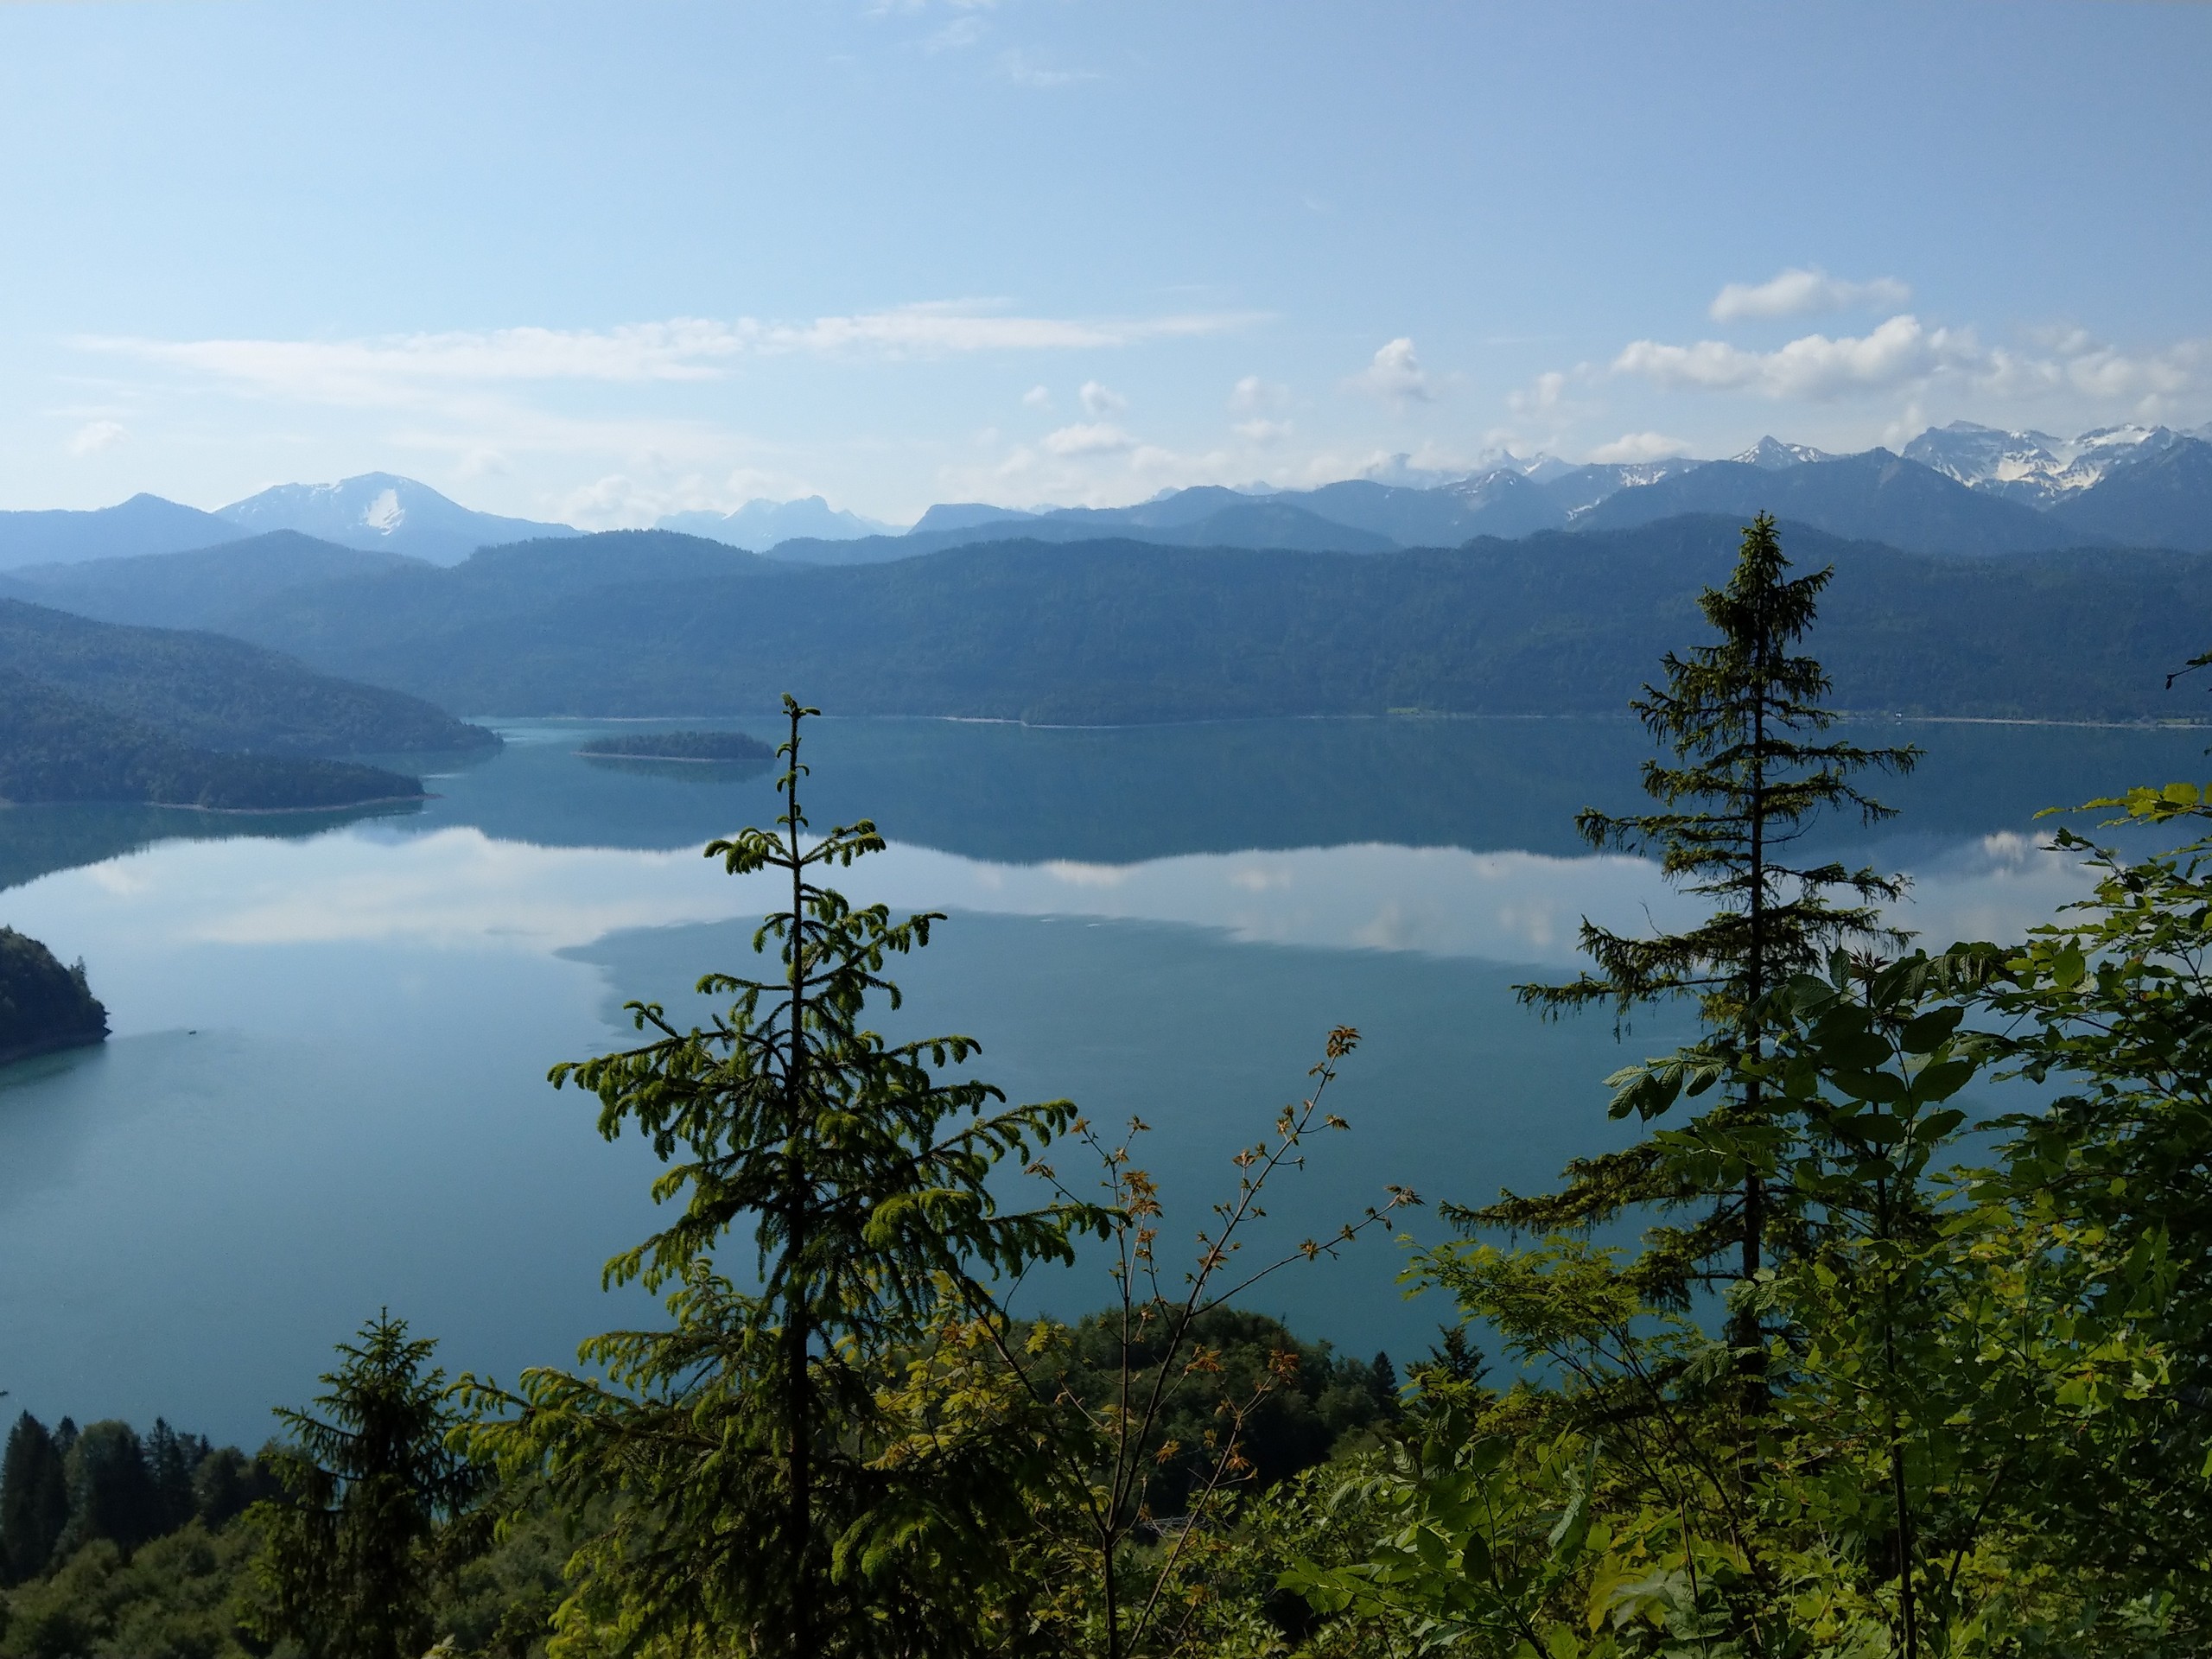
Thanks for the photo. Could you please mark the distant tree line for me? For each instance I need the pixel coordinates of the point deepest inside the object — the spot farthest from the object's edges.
(62, 1490)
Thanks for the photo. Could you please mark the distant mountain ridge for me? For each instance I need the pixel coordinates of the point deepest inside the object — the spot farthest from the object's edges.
(144, 523)
(763, 524)
(385, 511)
(1091, 630)
(1953, 492)
(2034, 467)
(196, 587)
(1961, 488)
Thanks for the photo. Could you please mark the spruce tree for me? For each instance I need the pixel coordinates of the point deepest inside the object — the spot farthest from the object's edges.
(753, 1501)
(110, 1490)
(1746, 722)
(353, 1549)
(33, 1500)
(171, 1460)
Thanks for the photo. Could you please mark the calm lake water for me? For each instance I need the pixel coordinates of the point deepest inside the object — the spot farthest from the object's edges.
(326, 1089)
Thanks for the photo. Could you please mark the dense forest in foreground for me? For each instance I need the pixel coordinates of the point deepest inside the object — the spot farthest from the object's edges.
(1881, 1360)
(640, 623)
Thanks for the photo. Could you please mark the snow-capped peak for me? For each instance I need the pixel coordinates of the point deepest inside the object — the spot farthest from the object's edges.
(1774, 455)
(2033, 468)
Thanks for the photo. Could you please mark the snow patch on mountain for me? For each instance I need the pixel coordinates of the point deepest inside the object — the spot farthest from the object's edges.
(2035, 467)
(382, 510)
(1774, 455)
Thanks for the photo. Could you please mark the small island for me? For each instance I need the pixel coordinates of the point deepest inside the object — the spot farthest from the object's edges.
(697, 746)
(44, 1007)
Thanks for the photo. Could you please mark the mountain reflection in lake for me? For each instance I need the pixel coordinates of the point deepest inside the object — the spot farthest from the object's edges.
(325, 1090)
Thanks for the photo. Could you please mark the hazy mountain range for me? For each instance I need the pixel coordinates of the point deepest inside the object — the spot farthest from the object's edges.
(649, 622)
(1961, 488)
(377, 511)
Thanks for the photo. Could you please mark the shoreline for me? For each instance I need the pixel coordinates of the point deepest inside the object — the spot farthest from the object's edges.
(272, 811)
(2145, 724)
(680, 759)
(233, 811)
(58, 1044)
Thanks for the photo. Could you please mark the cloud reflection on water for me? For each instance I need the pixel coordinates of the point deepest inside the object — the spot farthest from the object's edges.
(460, 889)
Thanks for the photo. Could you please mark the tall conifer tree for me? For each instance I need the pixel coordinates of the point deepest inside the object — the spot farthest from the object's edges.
(738, 1456)
(352, 1553)
(1752, 765)
(33, 1500)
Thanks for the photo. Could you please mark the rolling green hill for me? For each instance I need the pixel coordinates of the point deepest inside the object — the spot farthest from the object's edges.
(651, 623)
(54, 747)
(207, 691)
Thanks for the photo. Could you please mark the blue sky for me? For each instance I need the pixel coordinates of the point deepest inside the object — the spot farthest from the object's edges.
(599, 261)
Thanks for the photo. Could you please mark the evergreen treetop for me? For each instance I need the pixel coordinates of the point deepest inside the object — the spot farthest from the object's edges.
(1752, 765)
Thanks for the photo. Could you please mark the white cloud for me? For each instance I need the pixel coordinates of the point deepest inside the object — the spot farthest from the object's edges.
(1396, 375)
(1804, 289)
(1252, 394)
(1814, 366)
(1026, 69)
(1543, 395)
(1264, 433)
(1640, 445)
(394, 369)
(2073, 361)
(96, 436)
(1099, 401)
(1095, 438)
(1903, 354)
(1037, 397)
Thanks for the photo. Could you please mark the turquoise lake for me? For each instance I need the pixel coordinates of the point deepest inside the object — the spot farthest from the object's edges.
(325, 1093)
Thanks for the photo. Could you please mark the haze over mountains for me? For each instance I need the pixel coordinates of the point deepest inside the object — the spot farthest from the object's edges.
(1958, 489)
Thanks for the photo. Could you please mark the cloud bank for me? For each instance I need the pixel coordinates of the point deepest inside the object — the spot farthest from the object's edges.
(1802, 290)
(393, 368)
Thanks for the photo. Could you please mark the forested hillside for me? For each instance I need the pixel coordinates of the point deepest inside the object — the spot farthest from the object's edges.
(218, 693)
(54, 747)
(1112, 631)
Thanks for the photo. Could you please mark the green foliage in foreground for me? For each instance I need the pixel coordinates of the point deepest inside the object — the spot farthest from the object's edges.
(1986, 1340)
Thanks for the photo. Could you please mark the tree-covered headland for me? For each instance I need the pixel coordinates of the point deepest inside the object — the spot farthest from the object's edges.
(43, 1005)
(1853, 1352)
